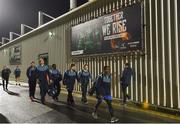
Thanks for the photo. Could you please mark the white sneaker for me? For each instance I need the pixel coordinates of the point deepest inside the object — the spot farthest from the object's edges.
(114, 120)
(94, 115)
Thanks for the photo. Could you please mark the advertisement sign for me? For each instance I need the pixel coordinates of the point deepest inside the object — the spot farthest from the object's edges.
(117, 32)
(15, 55)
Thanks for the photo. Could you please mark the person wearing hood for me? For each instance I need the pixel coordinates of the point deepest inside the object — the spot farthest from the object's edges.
(126, 81)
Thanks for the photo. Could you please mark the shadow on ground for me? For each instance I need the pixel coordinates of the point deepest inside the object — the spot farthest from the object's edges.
(3, 119)
(13, 93)
(78, 114)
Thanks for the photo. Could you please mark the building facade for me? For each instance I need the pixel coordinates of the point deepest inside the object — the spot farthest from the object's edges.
(156, 66)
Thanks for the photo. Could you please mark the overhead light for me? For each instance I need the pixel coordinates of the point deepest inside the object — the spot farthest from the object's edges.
(51, 34)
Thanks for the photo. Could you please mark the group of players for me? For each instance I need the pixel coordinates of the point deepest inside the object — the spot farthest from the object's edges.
(49, 82)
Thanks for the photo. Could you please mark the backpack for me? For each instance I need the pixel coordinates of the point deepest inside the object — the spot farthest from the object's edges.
(52, 91)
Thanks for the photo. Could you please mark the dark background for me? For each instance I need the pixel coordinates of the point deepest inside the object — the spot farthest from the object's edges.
(13, 13)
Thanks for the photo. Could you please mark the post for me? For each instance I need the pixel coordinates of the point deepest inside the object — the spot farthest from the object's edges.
(40, 18)
(22, 29)
(73, 4)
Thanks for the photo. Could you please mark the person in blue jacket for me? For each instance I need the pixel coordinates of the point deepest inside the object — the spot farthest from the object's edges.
(126, 81)
(43, 79)
(70, 77)
(17, 73)
(103, 92)
(32, 78)
(56, 77)
(84, 78)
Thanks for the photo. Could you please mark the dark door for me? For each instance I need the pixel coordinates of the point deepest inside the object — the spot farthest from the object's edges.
(46, 58)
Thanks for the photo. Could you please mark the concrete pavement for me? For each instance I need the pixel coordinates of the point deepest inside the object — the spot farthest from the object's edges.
(16, 107)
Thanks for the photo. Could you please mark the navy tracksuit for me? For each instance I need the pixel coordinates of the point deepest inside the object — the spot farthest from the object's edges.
(84, 78)
(43, 75)
(17, 72)
(5, 77)
(32, 78)
(125, 81)
(56, 77)
(103, 91)
(70, 76)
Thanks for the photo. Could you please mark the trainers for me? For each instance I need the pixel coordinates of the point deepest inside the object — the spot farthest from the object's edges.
(94, 115)
(114, 120)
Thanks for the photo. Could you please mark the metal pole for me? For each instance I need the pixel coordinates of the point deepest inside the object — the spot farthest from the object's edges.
(157, 51)
(170, 52)
(40, 18)
(146, 59)
(11, 35)
(3, 40)
(151, 50)
(28, 27)
(48, 15)
(177, 51)
(22, 29)
(163, 52)
(73, 4)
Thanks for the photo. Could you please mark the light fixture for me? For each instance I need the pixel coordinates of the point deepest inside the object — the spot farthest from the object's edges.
(51, 34)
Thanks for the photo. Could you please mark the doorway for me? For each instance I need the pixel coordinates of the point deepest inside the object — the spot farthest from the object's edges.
(45, 57)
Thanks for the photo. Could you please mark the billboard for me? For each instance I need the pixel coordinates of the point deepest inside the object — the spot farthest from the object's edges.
(15, 55)
(117, 32)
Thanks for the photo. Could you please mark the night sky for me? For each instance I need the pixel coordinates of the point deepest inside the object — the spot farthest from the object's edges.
(16, 12)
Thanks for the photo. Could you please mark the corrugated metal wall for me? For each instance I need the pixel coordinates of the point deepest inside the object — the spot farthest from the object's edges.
(156, 78)
(39, 44)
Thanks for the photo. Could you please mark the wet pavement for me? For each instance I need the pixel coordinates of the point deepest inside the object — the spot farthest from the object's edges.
(15, 107)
